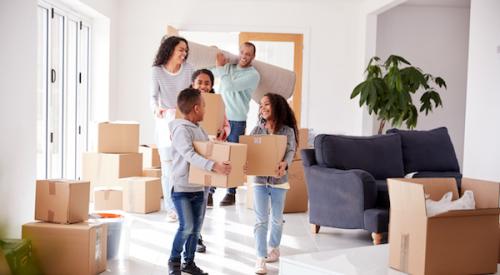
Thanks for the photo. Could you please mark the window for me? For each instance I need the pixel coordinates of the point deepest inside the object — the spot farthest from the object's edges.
(62, 92)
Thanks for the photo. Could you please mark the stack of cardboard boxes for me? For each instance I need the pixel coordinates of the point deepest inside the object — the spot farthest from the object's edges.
(115, 170)
(63, 241)
(260, 151)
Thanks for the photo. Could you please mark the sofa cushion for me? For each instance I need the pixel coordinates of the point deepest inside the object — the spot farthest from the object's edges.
(382, 194)
(427, 150)
(379, 155)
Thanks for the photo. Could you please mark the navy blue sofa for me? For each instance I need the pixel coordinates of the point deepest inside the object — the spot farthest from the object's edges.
(347, 175)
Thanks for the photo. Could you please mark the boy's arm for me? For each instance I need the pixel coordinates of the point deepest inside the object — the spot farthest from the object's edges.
(183, 143)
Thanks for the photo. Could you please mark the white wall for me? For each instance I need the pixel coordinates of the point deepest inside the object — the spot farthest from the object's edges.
(18, 113)
(18, 78)
(333, 54)
(434, 38)
(482, 130)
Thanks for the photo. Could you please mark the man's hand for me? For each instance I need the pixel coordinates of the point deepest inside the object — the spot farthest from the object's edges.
(223, 168)
(281, 169)
(220, 59)
(159, 111)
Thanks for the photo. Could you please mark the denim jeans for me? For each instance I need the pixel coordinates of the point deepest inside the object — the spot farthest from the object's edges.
(262, 195)
(166, 183)
(190, 208)
(237, 129)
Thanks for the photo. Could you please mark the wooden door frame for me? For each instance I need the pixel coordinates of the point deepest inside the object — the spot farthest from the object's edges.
(298, 42)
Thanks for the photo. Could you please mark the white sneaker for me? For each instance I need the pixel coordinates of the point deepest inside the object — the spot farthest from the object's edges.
(274, 255)
(171, 216)
(260, 266)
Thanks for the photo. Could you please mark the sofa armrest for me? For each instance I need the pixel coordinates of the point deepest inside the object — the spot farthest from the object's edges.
(308, 157)
(338, 198)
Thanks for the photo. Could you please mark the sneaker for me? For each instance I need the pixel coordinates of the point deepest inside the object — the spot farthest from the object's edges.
(260, 266)
(174, 268)
(229, 199)
(273, 256)
(171, 216)
(200, 246)
(192, 269)
(210, 200)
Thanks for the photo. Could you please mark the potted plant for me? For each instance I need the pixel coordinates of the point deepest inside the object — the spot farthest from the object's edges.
(388, 87)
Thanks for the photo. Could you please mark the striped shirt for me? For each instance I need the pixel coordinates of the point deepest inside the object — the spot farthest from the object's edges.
(166, 86)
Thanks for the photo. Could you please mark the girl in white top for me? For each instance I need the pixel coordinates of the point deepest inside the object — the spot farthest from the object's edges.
(170, 75)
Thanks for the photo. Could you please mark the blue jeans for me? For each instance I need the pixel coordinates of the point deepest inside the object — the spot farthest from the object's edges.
(237, 129)
(262, 195)
(190, 208)
(166, 185)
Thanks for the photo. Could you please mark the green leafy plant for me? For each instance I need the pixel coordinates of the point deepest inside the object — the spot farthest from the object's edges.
(388, 87)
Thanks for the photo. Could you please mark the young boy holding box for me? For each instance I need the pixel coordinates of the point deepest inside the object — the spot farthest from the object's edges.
(188, 198)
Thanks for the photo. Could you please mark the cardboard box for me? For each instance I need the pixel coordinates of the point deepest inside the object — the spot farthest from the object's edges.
(105, 169)
(141, 194)
(296, 197)
(234, 153)
(215, 111)
(150, 156)
(118, 137)
(62, 201)
(303, 142)
(265, 152)
(151, 172)
(455, 242)
(77, 249)
(108, 199)
(16, 256)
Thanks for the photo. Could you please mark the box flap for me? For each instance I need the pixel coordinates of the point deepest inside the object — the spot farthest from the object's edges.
(465, 213)
(486, 193)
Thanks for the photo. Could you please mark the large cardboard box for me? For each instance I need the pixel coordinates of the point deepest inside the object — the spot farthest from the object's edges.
(77, 249)
(233, 153)
(105, 169)
(455, 242)
(265, 152)
(150, 156)
(108, 198)
(62, 201)
(296, 197)
(141, 194)
(118, 137)
(213, 120)
(303, 142)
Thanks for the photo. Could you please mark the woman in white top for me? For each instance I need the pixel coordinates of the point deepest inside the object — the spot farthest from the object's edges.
(170, 75)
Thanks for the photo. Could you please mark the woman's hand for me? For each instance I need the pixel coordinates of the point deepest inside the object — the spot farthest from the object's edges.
(159, 111)
(281, 169)
(223, 168)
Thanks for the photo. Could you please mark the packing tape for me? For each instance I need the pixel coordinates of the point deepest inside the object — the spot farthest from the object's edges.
(52, 188)
(404, 255)
(98, 244)
(210, 149)
(50, 215)
(208, 180)
(107, 194)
